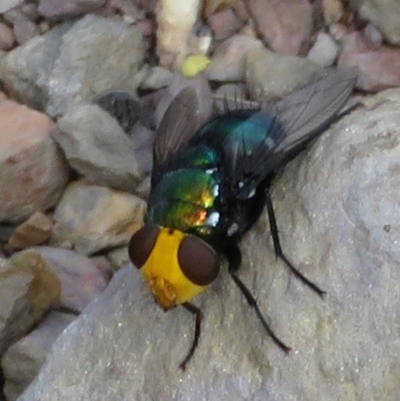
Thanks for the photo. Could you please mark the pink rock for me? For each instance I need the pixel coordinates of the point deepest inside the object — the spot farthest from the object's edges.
(81, 281)
(377, 69)
(33, 171)
(285, 25)
(6, 37)
(224, 24)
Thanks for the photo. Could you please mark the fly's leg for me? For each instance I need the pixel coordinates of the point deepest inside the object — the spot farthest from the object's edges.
(234, 256)
(197, 329)
(278, 249)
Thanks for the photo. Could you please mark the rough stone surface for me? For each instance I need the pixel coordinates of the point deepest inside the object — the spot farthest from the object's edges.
(96, 146)
(34, 231)
(271, 76)
(285, 25)
(55, 9)
(228, 62)
(224, 24)
(175, 21)
(325, 50)
(378, 69)
(28, 289)
(6, 37)
(25, 30)
(23, 360)
(81, 280)
(337, 208)
(73, 63)
(9, 4)
(33, 171)
(92, 217)
(385, 14)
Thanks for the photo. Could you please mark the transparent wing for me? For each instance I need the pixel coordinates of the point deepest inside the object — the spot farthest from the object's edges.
(178, 125)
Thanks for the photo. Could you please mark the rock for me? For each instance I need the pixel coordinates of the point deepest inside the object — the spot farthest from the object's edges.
(224, 24)
(212, 6)
(285, 25)
(333, 11)
(228, 62)
(128, 8)
(34, 231)
(175, 21)
(122, 105)
(22, 361)
(118, 258)
(92, 217)
(377, 69)
(55, 10)
(73, 63)
(28, 289)
(384, 14)
(272, 76)
(6, 37)
(33, 172)
(336, 209)
(324, 51)
(24, 30)
(143, 141)
(30, 10)
(9, 4)
(96, 146)
(81, 280)
(157, 78)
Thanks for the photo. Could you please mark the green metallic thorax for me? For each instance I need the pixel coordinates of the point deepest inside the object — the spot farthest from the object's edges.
(185, 197)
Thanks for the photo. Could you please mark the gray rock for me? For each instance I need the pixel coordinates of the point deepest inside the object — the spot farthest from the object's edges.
(9, 4)
(157, 77)
(24, 30)
(54, 9)
(96, 146)
(272, 76)
(22, 361)
(73, 63)
(93, 217)
(337, 209)
(228, 62)
(385, 14)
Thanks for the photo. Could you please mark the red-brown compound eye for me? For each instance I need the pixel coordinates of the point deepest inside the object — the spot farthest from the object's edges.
(198, 261)
(141, 244)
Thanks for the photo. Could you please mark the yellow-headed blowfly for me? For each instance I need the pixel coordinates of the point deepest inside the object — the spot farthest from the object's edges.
(210, 182)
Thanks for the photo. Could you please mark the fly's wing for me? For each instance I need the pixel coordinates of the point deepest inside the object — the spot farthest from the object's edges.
(293, 122)
(305, 113)
(179, 123)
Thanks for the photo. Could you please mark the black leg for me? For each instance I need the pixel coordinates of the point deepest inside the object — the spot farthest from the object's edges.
(278, 249)
(234, 257)
(197, 312)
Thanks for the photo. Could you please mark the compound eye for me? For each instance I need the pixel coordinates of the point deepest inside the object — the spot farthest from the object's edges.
(142, 244)
(198, 261)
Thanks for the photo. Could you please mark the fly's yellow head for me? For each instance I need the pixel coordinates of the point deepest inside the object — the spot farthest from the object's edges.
(176, 266)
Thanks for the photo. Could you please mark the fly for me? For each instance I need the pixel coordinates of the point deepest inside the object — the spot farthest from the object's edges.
(210, 183)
